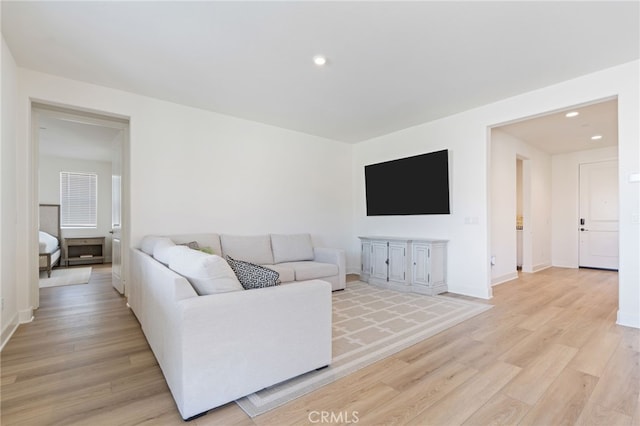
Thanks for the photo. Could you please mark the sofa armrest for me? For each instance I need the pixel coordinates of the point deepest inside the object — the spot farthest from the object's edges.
(336, 257)
(247, 340)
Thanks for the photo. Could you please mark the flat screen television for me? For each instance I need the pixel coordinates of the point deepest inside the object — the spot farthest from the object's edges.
(417, 185)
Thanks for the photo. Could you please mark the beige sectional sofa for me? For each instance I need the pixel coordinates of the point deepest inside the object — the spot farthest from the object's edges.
(219, 347)
(293, 256)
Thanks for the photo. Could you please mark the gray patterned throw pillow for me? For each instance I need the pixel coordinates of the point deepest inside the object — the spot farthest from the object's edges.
(193, 245)
(253, 276)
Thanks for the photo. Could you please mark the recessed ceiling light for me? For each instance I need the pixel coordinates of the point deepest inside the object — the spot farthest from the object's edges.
(572, 114)
(320, 60)
(596, 137)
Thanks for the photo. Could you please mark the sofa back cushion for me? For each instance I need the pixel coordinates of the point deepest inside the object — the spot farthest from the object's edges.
(291, 248)
(208, 274)
(255, 248)
(205, 241)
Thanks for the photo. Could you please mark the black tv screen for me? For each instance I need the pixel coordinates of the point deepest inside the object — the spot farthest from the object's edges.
(409, 186)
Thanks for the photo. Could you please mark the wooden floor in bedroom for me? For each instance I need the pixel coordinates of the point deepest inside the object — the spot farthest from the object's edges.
(548, 353)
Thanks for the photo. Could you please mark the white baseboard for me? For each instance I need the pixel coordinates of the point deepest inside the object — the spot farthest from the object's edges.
(26, 315)
(629, 319)
(569, 265)
(473, 292)
(8, 331)
(540, 266)
(21, 317)
(504, 278)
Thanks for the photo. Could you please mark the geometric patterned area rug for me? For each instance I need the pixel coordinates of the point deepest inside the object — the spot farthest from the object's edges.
(65, 276)
(369, 324)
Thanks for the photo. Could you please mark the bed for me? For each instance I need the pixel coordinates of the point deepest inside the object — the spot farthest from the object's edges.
(49, 237)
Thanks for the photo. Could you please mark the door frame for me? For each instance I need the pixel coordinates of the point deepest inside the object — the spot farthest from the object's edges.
(83, 115)
(527, 216)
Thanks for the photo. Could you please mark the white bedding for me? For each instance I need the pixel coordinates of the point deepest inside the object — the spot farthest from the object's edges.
(48, 243)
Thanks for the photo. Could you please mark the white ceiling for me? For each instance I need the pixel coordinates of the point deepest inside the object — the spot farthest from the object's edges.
(391, 64)
(556, 133)
(74, 139)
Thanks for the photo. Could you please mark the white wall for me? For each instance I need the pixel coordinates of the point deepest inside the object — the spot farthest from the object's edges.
(195, 171)
(565, 195)
(226, 171)
(519, 187)
(203, 171)
(467, 252)
(505, 149)
(8, 211)
(629, 192)
(466, 136)
(503, 207)
(49, 191)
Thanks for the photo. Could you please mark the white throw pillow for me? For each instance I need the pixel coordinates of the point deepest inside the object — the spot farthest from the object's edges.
(148, 243)
(161, 250)
(207, 273)
(291, 248)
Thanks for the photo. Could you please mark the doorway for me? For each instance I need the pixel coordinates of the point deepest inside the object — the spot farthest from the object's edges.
(75, 140)
(519, 214)
(549, 149)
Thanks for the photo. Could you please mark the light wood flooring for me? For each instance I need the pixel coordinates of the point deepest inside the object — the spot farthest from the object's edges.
(548, 353)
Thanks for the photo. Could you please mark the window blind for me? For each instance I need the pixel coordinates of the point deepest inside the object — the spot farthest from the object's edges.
(78, 200)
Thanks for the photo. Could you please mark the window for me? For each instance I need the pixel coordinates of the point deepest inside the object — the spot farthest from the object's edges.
(78, 200)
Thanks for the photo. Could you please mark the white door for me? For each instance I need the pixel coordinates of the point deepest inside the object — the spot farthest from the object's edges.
(116, 214)
(598, 222)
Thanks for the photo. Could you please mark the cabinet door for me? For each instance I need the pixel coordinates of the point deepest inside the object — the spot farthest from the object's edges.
(366, 258)
(379, 260)
(420, 257)
(397, 262)
(438, 264)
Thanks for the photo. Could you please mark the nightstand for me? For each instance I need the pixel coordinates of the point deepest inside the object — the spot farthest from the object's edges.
(83, 250)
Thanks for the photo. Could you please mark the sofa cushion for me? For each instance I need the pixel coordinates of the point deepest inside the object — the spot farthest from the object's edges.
(253, 276)
(287, 274)
(207, 273)
(291, 248)
(148, 243)
(208, 243)
(161, 250)
(254, 249)
(311, 270)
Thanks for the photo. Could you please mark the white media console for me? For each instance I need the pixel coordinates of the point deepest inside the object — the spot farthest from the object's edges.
(405, 264)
